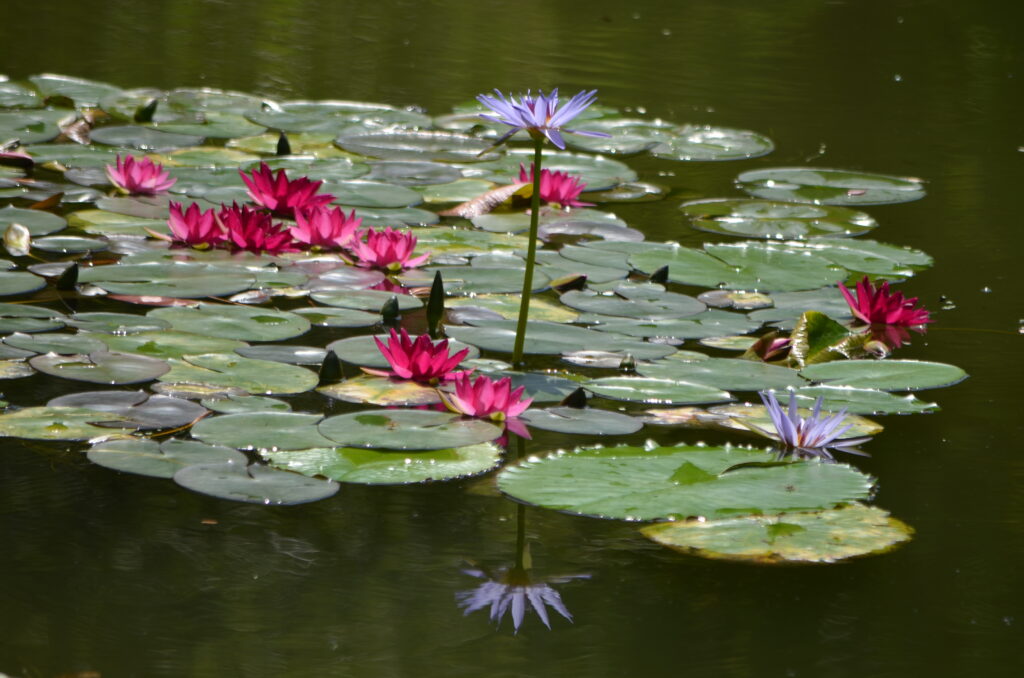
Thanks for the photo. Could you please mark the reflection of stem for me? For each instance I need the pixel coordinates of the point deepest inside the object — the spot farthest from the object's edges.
(531, 255)
(521, 552)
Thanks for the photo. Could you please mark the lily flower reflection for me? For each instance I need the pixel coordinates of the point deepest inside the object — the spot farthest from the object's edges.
(539, 115)
(813, 436)
(514, 590)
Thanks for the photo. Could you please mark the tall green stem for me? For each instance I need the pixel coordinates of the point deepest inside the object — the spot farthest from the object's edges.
(531, 256)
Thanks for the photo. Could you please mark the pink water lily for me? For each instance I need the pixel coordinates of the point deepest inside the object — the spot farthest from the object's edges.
(488, 399)
(281, 195)
(195, 228)
(558, 188)
(139, 177)
(326, 229)
(421, 360)
(878, 306)
(253, 231)
(389, 249)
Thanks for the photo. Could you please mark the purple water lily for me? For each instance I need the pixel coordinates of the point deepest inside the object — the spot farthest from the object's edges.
(812, 436)
(538, 115)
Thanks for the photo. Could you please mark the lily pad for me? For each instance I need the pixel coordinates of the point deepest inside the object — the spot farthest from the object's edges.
(583, 421)
(234, 322)
(389, 467)
(382, 391)
(143, 138)
(668, 305)
(63, 344)
(112, 223)
(808, 537)
(363, 351)
(234, 371)
(26, 318)
(15, 369)
(659, 391)
(703, 142)
(116, 323)
(82, 91)
(775, 220)
(712, 323)
(544, 338)
(254, 484)
(233, 404)
(366, 300)
(507, 306)
(160, 460)
(101, 367)
(829, 186)
(167, 343)
(724, 373)
(186, 280)
(38, 222)
(859, 400)
(735, 416)
(361, 193)
(885, 375)
(32, 127)
(645, 483)
(407, 430)
(264, 430)
(55, 423)
(138, 408)
(284, 353)
(70, 244)
(416, 145)
(19, 282)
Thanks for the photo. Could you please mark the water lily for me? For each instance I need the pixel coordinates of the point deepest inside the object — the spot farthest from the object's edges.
(514, 590)
(560, 188)
(195, 228)
(421, 360)
(326, 229)
(254, 231)
(486, 398)
(813, 435)
(878, 306)
(281, 195)
(388, 249)
(539, 115)
(139, 177)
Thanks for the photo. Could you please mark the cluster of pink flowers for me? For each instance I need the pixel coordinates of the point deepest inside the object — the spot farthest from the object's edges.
(254, 230)
(424, 361)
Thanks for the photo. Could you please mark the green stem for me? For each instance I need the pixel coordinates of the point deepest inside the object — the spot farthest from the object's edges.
(531, 256)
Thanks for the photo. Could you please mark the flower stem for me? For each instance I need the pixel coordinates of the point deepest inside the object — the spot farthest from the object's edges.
(531, 256)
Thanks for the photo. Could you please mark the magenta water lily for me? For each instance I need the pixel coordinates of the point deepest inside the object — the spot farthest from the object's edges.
(281, 195)
(139, 177)
(483, 397)
(325, 229)
(877, 305)
(388, 249)
(558, 188)
(194, 228)
(418, 360)
(539, 114)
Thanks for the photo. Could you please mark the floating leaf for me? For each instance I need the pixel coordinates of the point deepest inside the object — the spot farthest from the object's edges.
(185, 280)
(26, 318)
(633, 483)
(736, 416)
(234, 371)
(712, 323)
(37, 222)
(101, 367)
(138, 409)
(585, 421)
(724, 373)
(382, 391)
(264, 430)
(859, 400)
(775, 220)
(366, 300)
(116, 323)
(703, 142)
(287, 353)
(413, 145)
(818, 339)
(83, 92)
(665, 306)
(233, 404)
(15, 369)
(234, 322)
(650, 390)
(254, 484)
(159, 460)
(551, 339)
(507, 306)
(885, 375)
(143, 138)
(407, 430)
(55, 423)
(829, 186)
(363, 351)
(19, 282)
(56, 343)
(389, 467)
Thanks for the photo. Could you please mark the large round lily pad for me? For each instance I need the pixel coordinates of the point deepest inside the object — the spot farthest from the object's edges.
(56, 423)
(254, 484)
(234, 322)
(187, 280)
(229, 370)
(382, 392)
(703, 142)
(807, 537)
(724, 373)
(885, 375)
(649, 390)
(139, 409)
(38, 222)
(160, 459)
(389, 467)
(101, 367)
(640, 483)
(262, 430)
(415, 145)
(829, 186)
(407, 430)
(859, 400)
(552, 339)
(775, 220)
(581, 421)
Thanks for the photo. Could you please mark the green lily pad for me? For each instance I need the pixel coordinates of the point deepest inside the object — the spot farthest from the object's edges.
(712, 323)
(159, 460)
(38, 222)
(101, 367)
(819, 339)
(207, 156)
(26, 318)
(32, 127)
(790, 306)
(234, 371)
(806, 537)
(829, 186)
(859, 400)
(139, 409)
(363, 351)
(361, 193)
(63, 344)
(389, 467)
(143, 138)
(507, 306)
(306, 143)
(544, 338)
(585, 421)
(467, 242)
(382, 391)
(73, 155)
(462, 190)
(724, 373)
(185, 280)
(651, 390)
(775, 220)
(55, 423)
(234, 404)
(70, 244)
(668, 305)
(265, 430)
(333, 116)
(407, 430)
(868, 256)
(413, 172)
(19, 282)
(116, 323)
(596, 172)
(284, 353)
(167, 343)
(768, 266)
(643, 483)
(469, 280)
(13, 95)
(415, 145)
(254, 484)
(543, 387)
(885, 375)
(234, 322)
(82, 91)
(703, 142)
(112, 223)
(366, 300)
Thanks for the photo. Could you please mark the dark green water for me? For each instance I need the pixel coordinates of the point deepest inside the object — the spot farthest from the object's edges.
(122, 576)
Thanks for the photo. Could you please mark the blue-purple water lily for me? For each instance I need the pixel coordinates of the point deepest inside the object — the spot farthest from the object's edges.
(538, 115)
(813, 436)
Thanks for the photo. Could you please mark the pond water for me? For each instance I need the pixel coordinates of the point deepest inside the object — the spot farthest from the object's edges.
(108, 574)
